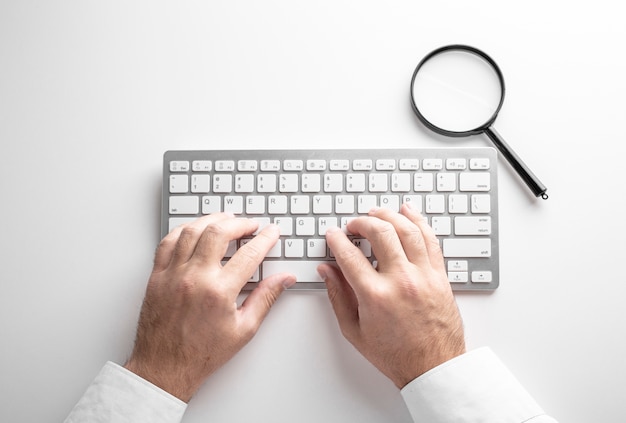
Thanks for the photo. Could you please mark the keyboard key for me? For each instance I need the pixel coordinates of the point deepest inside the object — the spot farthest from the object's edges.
(184, 204)
(266, 183)
(222, 183)
(362, 164)
(391, 202)
(385, 164)
(316, 248)
(277, 204)
(322, 204)
(285, 224)
(305, 271)
(179, 184)
(233, 204)
(423, 182)
(442, 225)
(467, 247)
(200, 183)
(311, 182)
(435, 203)
(457, 265)
(479, 164)
(244, 183)
(294, 248)
(355, 182)
(173, 222)
(415, 200)
(270, 165)
(179, 166)
(364, 245)
(401, 182)
(446, 182)
(305, 226)
(482, 276)
(224, 165)
(293, 165)
(255, 204)
(300, 204)
(344, 204)
(365, 203)
(378, 182)
(314, 164)
(333, 182)
(472, 225)
(457, 277)
(432, 164)
(456, 164)
(288, 182)
(202, 165)
(211, 204)
(247, 165)
(324, 223)
(409, 164)
(457, 203)
(474, 181)
(339, 165)
(481, 203)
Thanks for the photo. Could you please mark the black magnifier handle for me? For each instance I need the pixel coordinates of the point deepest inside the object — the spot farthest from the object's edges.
(523, 171)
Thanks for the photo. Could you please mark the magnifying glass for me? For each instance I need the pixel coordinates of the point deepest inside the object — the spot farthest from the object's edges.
(457, 91)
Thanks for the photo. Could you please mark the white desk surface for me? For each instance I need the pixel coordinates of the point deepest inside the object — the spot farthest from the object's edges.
(92, 94)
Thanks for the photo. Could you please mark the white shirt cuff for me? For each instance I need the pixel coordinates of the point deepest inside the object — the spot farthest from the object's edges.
(474, 387)
(117, 395)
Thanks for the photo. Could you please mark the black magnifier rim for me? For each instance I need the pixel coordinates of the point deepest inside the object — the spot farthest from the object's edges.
(458, 47)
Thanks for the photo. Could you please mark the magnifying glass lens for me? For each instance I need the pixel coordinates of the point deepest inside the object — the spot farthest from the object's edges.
(457, 91)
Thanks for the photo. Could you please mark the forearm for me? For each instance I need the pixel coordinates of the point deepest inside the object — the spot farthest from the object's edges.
(471, 388)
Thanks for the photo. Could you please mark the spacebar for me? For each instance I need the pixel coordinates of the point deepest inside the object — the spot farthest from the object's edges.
(305, 270)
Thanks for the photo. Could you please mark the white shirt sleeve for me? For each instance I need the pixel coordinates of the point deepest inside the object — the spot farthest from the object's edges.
(117, 395)
(474, 387)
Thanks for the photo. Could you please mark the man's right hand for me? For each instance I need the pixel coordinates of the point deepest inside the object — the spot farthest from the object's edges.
(402, 315)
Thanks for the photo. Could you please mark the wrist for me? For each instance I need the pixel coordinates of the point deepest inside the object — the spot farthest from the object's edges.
(173, 382)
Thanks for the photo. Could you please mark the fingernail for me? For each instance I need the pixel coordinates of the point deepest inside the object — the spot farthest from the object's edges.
(332, 229)
(373, 210)
(322, 274)
(412, 208)
(289, 281)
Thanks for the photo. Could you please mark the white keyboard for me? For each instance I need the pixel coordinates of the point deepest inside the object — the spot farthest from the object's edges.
(305, 192)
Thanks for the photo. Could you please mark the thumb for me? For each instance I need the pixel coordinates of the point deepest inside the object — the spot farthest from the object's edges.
(342, 298)
(258, 303)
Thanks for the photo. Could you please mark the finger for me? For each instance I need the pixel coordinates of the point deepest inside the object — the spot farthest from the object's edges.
(409, 233)
(385, 242)
(433, 248)
(255, 307)
(190, 234)
(342, 298)
(217, 235)
(247, 259)
(165, 250)
(356, 269)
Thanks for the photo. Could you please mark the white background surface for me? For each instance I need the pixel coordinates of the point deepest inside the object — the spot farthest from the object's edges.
(92, 94)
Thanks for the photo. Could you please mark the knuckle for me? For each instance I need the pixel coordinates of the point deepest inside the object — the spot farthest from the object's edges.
(215, 230)
(349, 256)
(250, 253)
(189, 231)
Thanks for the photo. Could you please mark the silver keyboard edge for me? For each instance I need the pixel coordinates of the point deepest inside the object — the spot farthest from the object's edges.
(282, 154)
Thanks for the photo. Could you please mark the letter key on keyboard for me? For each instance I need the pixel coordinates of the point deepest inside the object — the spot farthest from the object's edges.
(305, 192)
